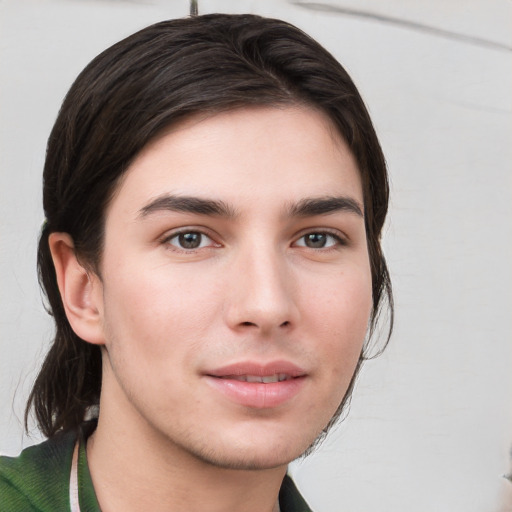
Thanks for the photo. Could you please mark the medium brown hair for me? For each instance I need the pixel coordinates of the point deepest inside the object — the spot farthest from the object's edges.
(128, 95)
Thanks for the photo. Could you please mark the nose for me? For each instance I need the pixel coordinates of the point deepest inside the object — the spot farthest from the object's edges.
(262, 293)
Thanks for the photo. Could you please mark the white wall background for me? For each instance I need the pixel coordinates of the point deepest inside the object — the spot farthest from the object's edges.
(431, 422)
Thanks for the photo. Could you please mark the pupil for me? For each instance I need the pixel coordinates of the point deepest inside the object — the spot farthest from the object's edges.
(190, 240)
(316, 240)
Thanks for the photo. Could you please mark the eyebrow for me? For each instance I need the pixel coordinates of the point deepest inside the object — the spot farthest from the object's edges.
(310, 207)
(188, 204)
(307, 207)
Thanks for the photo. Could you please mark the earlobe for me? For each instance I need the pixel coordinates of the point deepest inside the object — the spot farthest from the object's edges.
(80, 290)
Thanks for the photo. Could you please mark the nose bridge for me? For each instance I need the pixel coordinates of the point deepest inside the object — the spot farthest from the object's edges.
(262, 289)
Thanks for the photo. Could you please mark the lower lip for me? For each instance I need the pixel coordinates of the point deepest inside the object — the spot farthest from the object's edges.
(257, 395)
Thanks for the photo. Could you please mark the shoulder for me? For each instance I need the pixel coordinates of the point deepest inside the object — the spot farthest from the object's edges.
(38, 479)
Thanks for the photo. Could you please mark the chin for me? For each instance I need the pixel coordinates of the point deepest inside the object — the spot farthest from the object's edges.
(266, 454)
(248, 462)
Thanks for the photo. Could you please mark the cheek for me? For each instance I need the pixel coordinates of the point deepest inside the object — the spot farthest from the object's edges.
(342, 302)
(339, 318)
(157, 310)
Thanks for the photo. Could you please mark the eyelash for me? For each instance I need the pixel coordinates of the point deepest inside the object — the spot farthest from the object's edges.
(177, 234)
(339, 240)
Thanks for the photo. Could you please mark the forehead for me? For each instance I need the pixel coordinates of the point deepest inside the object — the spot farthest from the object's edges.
(242, 156)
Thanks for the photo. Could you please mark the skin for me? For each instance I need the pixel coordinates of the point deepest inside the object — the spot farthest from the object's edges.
(266, 283)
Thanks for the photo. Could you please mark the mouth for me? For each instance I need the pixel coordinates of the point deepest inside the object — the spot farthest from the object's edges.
(248, 371)
(266, 379)
(258, 386)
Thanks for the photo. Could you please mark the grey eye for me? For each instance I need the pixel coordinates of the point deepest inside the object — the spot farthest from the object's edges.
(318, 240)
(190, 240)
(315, 240)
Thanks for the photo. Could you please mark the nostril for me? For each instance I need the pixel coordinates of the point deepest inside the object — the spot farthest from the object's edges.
(285, 324)
(248, 324)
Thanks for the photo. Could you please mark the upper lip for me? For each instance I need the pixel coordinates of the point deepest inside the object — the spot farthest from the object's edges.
(258, 369)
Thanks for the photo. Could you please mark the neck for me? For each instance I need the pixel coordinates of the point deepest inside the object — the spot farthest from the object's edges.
(133, 468)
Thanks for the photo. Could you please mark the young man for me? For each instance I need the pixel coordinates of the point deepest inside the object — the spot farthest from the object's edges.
(214, 195)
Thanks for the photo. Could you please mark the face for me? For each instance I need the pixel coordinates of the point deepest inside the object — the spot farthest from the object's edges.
(235, 286)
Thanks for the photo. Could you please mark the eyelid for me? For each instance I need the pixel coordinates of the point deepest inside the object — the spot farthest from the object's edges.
(340, 237)
(169, 235)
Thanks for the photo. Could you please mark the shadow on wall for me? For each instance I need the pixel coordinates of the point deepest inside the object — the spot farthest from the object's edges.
(412, 24)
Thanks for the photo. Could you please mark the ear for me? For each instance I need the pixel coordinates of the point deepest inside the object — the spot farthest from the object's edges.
(81, 291)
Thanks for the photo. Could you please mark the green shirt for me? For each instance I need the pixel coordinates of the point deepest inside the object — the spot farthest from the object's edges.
(39, 478)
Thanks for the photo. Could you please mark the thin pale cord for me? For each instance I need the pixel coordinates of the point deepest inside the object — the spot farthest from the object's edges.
(194, 10)
(74, 500)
